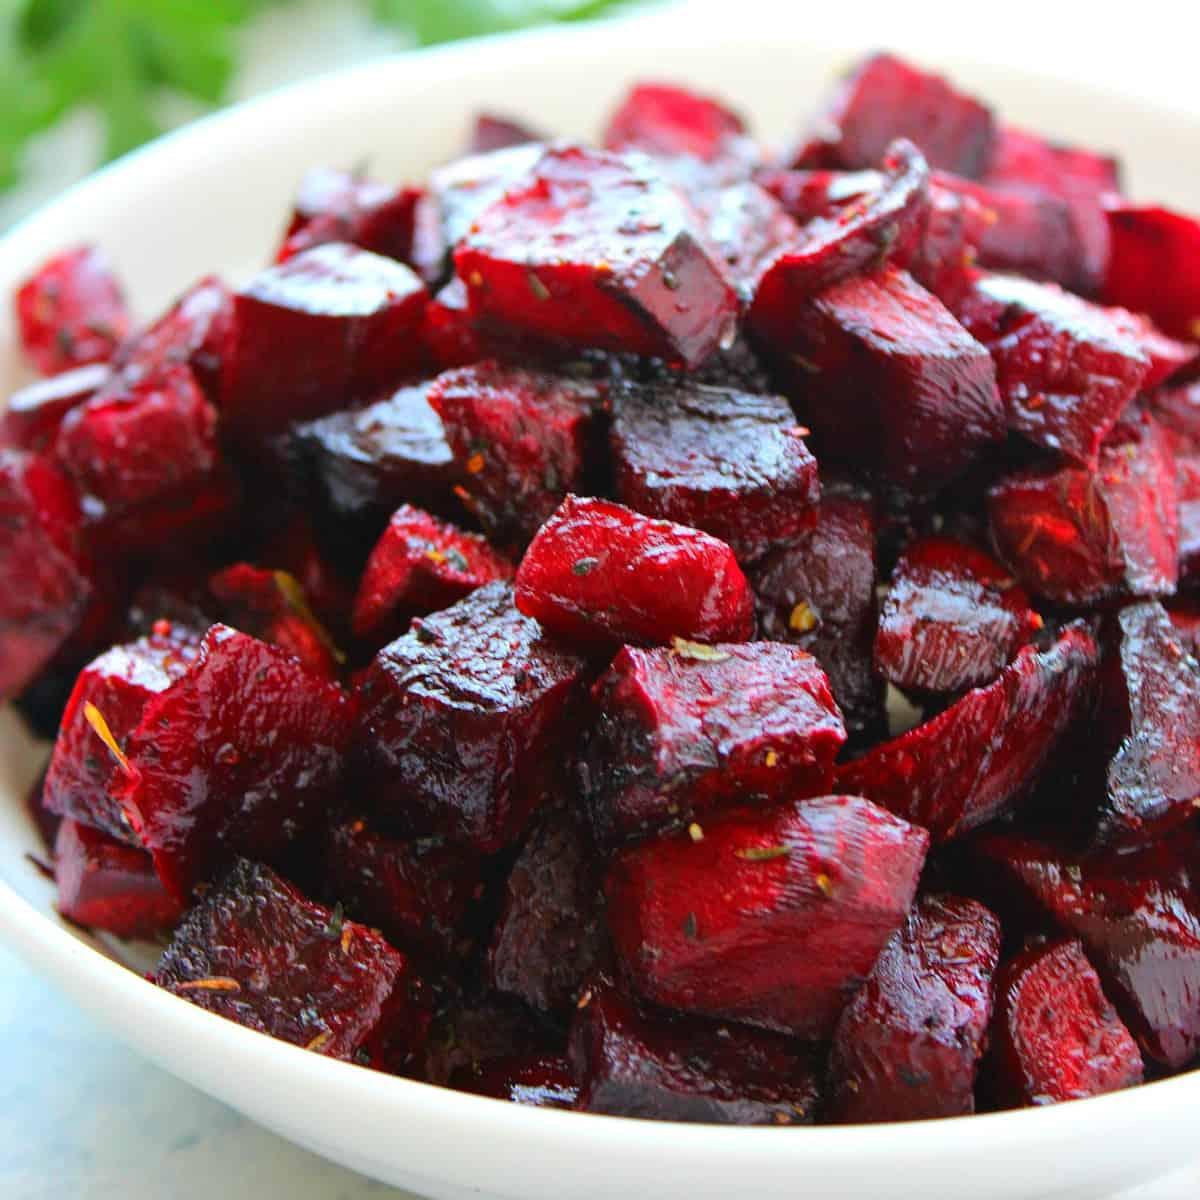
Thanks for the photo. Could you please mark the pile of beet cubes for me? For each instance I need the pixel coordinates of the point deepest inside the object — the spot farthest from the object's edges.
(470, 638)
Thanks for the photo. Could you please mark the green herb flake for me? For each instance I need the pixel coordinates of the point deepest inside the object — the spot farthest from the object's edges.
(583, 566)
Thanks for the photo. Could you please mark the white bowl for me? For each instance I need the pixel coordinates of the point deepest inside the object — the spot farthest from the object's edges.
(213, 197)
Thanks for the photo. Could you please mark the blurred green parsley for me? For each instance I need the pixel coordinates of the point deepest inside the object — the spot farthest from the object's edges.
(120, 57)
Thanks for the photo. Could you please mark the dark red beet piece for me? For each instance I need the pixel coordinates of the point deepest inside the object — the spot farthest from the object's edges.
(110, 696)
(108, 885)
(494, 132)
(885, 98)
(976, 759)
(48, 588)
(952, 618)
(242, 753)
(1078, 537)
(633, 1064)
(328, 326)
(520, 438)
(419, 565)
(259, 953)
(476, 1029)
(550, 936)
(447, 329)
(593, 249)
(1057, 1036)
(196, 515)
(46, 822)
(598, 571)
(1067, 369)
(1154, 266)
(908, 1045)
(749, 229)
(773, 918)
(71, 312)
(459, 718)
(33, 415)
(732, 464)
(678, 734)
(890, 381)
(539, 1080)
(665, 120)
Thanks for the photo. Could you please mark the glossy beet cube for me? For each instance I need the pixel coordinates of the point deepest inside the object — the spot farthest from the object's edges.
(108, 699)
(976, 759)
(749, 229)
(241, 754)
(460, 717)
(773, 918)
(259, 953)
(1077, 537)
(730, 463)
(595, 249)
(33, 415)
(539, 1080)
(598, 571)
(952, 618)
(1067, 369)
(666, 120)
(1057, 1036)
(890, 382)
(47, 586)
(419, 565)
(885, 98)
(71, 312)
(447, 330)
(678, 734)
(631, 1063)
(520, 438)
(474, 1029)
(551, 935)
(908, 1045)
(108, 885)
(330, 325)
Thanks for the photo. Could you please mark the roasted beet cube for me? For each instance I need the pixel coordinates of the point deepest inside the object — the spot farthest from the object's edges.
(749, 229)
(491, 131)
(520, 439)
(1057, 1036)
(598, 571)
(71, 312)
(459, 718)
(539, 1080)
(665, 120)
(774, 917)
(1075, 536)
(419, 565)
(976, 759)
(196, 515)
(259, 953)
(680, 732)
(594, 249)
(891, 382)
(1187, 487)
(33, 415)
(47, 586)
(108, 700)
(1067, 369)
(242, 753)
(1154, 266)
(952, 618)
(551, 934)
(447, 330)
(631, 1063)
(732, 464)
(885, 98)
(908, 1045)
(328, 326)
(109, 885)
(476, 1029)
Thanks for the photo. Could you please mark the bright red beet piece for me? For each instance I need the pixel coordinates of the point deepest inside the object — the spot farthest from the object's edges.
(115, 688)
(328, 326)
(1057, 1036)
(665, 120)
(494, 132)
(773, 918)
(730, 463)
(242, 753)
(593, 249)
(108, 885)
(908, 1045)
(33, 415)
(885, 98)
(1187, 486)
(539, 1080)
(598, 571)
(459, 718)
(520, 438)
(447, 329)
(749, 229)
(71, 312)
(1078, 537)
(258, 953)
(952, 618)
(679, 733)
(635, 1064)
(976, 759)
